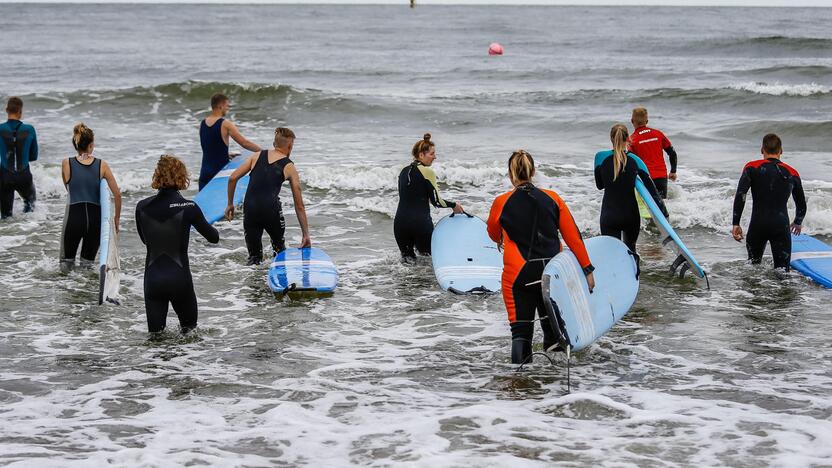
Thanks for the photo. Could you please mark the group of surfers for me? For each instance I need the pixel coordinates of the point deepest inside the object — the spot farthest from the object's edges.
(527, 223)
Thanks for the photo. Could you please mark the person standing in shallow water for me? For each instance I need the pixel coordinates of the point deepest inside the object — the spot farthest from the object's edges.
(18, 147)
(649, 144)
(164, 224)
(413, 226)
(214, 132)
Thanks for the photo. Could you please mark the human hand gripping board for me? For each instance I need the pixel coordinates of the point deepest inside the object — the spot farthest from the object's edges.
(465, 260)
(213, 198)
(308, 270)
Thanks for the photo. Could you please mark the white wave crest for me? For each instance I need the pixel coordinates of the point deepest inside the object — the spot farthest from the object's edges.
(780, 89)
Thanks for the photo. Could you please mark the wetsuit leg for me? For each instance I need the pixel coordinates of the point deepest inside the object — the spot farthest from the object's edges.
(755, 243)
(6, 194)
(528, 303)
(631, 235)
(276, 228)
(661, 186)
(75, 230)
(626, 232)
(254, 238)
(92, 236)
(422, 237)
(781, 248)
(26, 189)
(157, 312)
(184, 304)
(404, 238)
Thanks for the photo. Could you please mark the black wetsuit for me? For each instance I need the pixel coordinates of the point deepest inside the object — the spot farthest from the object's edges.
(214, 151)
(412, 225)
(772, 182)
(18, 147)
(164, 223)
(82, 225)
(261, 207)
(619, 210)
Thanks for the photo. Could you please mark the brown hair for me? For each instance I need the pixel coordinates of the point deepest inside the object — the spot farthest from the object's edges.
(170, 173)
(520, 166)
(618, 137)
(772, 144)
(422, 146)
(82, 137)
(639, 117)
(14, 105)
(217, 100)
(281, 134)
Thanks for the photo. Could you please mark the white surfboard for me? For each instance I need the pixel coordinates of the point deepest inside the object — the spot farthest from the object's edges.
(109, 264)
(465, 260)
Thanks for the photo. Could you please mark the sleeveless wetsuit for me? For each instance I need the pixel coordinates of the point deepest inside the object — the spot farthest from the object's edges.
(619, 210)
(214, 151)
(261, 207)
(648, 143)
(527, 220)
(83, 220)
(164, 223)
(772, 182)
(18, 147)
(412, 225)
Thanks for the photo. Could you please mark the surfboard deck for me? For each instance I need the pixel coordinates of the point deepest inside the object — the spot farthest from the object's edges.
(667, 233)
(109, 264)
(584, 317)
(813, 258)
(213, 198)
(465, 260)
(308, 270)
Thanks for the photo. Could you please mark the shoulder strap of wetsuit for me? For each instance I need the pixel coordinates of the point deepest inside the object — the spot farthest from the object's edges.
(11, 153)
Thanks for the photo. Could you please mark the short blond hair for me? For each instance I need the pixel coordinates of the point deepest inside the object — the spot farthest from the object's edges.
(639, 116)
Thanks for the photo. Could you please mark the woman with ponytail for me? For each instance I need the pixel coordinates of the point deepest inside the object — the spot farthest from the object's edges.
(615, 173)
(82, 176)
(412, 225)
(528, 223)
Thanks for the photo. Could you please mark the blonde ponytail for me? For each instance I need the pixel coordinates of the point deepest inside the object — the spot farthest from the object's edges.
(82, 137)
(619, 136)
(520, 167)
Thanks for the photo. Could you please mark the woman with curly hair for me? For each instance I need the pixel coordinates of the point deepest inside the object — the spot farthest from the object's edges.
(164, 223)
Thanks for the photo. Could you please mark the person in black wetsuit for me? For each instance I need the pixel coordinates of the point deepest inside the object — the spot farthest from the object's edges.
(771, 182)
(214, 132)
(412, 225)
(164, 224)
(82, 177)
(615, 173)
(261, 206)
(18, 147)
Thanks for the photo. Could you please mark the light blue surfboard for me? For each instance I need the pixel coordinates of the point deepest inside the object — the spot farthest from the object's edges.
(667, 232)
(584, 317)
(109, 265)
(308, 270)
(813, 258)
(213, 198)
(465, 260)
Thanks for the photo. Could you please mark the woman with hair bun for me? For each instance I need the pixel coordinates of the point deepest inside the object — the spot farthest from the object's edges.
(164, 223)
(412, 225)
(82, 176)
(525, 222)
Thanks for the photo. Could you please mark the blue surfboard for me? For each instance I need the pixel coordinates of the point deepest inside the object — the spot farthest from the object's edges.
(465, 260)
(308, 270)
(213, 198)
(667, 232)
(584, 317)
(813, 258)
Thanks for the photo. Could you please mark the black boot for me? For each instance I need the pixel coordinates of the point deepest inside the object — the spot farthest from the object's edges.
(521, 350)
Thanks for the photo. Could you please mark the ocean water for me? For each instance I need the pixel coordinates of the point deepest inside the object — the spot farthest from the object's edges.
(390, 370)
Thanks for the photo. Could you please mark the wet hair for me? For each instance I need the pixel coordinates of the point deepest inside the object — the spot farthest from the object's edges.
(772, 144)
(14, 105)
(520, 166)
(422, 146)
(82, 137)
(217, 100)
(618, 137)
(170, 173)
(639, 117)
(281, 135)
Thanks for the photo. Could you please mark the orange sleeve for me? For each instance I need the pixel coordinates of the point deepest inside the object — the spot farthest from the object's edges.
(570, 232)
(495, 231)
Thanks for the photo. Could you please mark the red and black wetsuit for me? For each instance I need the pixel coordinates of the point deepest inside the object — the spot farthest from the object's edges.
(771, 182)
(648, 143)
(526, 221)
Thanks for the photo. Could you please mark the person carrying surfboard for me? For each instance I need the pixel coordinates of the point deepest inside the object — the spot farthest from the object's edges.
(164, 223)
(648, 144)
(615, 173)
(18, 147)
(412, 226)
(261, 207)
(82, 176)
(525, 223)
(771, 182)
(214, 132)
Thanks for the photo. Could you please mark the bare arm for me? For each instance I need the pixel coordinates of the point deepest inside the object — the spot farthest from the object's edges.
(65, 172)
(290, 173)
(238, 137)
(111, 182)
(244, 169)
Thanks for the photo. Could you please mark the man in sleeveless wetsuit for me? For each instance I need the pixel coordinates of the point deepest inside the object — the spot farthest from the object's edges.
(772, 182)
(214, 132)
(648, 143)
(18, 147)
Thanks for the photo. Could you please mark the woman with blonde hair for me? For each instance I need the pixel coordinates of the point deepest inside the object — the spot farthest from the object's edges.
(82, 176)
(164, 223)
(526, 222)
(615, 173)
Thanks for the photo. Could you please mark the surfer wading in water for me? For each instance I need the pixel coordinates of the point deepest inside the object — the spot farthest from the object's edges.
(261, 207)
(214, 132)
(18, 147)
(649, 144)
(525, 223)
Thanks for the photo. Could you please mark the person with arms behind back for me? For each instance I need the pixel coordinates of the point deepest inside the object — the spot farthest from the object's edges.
(18, 147)
(214, 132)
(648, 144)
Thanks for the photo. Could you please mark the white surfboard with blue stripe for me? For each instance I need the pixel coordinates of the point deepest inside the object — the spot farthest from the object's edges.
(303, 270)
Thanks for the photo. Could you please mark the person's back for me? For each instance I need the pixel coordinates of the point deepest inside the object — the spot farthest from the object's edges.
(18, 147)
(214, 133)
(650, 144)
(772, 183)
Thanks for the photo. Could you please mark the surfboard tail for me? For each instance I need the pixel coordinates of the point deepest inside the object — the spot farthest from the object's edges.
(553, 321)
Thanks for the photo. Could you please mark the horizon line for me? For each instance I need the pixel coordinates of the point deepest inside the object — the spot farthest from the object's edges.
(405, 3)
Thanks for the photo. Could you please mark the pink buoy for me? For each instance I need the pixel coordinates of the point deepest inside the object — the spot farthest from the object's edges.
(495, 49)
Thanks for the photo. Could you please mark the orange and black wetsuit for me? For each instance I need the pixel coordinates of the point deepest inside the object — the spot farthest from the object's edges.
(526, 221)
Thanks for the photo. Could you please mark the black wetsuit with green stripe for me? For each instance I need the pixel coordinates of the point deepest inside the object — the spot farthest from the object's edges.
(413, 225)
